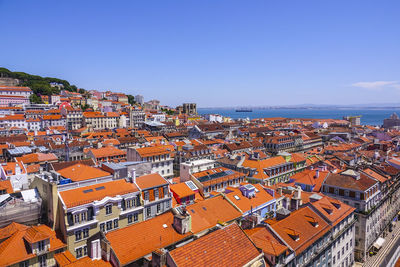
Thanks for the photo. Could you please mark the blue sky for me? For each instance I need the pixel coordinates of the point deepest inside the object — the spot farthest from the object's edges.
(215, 53)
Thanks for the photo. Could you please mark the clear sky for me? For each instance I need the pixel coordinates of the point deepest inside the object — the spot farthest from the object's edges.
(213, 52)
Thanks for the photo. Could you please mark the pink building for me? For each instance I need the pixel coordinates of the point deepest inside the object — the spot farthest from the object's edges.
(10, 100)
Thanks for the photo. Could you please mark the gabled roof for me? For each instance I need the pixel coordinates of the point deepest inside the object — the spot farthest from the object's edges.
(298, 231)
(181, 190)
(80, 172)
(244, 203)
(108, 151)
(14, 249)
(309, 177)
(332, 209)
(34, 234)
(228, 246)
(153, 151)
(349, 182)
(148, 236)
(88, 194)
(37, 158)
(266, 241)
(150, 181)
(206, 214)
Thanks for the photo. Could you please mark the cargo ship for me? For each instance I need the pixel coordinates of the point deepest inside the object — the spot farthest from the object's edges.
(244, 110)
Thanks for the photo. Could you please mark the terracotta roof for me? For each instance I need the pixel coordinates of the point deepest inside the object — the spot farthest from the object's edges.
(14, 249)
(375, 175)
(9, 168)
(149, 235)
(88, 194)
(228, 246)
(62, 165)
(6, 185)
(108, 151)
(15, 88)
(349, 182)
(153, 151)
(37, 158)
(34, 168)
(80, 172)
(246, 204)
(332, 209)
(309, 177)
(34, 234)
(150, 181)
(182, 190)
(266, 241)
(297, 230)
(208, 213)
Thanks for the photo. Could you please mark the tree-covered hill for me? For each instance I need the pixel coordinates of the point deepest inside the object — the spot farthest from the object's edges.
(39, 85)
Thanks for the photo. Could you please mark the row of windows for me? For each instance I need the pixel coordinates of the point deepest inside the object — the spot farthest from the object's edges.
(79, 234)
(107, 226)
(81, 252)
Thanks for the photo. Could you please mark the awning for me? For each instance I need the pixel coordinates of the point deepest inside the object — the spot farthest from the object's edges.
(379, 242)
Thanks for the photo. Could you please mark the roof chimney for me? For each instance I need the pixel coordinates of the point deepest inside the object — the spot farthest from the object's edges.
(316, 173)
(182, 221)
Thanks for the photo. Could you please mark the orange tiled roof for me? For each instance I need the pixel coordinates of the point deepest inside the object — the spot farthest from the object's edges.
(153, 151)
(266, 241)
(228, 246)
(206, 214)
(332, 209)
(182, 190)
(37, 158)
(34, 234)
(14, 249)
(149, 235)
(6, 185)
(150, 180)
(298, 224)
(9, 168)
(108, 151)
(88, 194)
(80, 172)
(246, 204)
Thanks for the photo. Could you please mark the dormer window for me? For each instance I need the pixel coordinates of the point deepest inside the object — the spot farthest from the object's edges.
(41, 245)
(312, 221)
(293, 234)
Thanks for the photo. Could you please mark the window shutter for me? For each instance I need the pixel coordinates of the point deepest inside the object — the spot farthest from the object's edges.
(90, 213)
(70, 219)
(151, 195)
(160, 192)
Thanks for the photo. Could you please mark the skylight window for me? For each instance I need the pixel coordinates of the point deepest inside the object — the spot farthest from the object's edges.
(100, 188)
(87, 191)
(236, 197)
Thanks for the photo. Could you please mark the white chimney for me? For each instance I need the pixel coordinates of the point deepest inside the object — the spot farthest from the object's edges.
(133, 175)
(316, 173)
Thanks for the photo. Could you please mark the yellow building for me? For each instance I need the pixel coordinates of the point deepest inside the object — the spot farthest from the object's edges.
(103, 207)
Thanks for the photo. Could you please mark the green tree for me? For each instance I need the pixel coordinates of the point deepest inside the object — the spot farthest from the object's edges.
(131, 99)
(35, 99)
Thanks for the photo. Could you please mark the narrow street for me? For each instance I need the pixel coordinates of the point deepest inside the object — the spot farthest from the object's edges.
(382, 258)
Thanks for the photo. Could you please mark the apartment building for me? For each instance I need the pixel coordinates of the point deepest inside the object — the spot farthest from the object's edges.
(363, 193)
(216, 180)
(156, 194)
(15, 91)
(160, 157)
(102, 207)
(74, 117)
(268, 171)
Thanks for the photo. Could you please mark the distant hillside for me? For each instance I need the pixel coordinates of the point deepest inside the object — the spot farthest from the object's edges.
(39, 85)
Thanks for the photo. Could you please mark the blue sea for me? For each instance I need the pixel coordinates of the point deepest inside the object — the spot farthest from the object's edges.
(369, 116)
